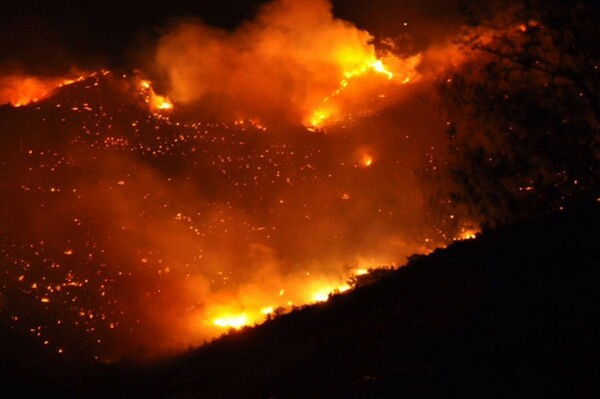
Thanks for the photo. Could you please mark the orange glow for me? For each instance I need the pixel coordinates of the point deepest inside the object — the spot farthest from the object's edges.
(306, 289)
(231, 321)
(267, 310)
(367, 160)
(161, 102)
(370, 68)
(468, 234)
(307, 66)
(468, 231)
(323, 294)
(156, 102)
(158, 229)
(378, 67)
(19, 90)
(319, 117)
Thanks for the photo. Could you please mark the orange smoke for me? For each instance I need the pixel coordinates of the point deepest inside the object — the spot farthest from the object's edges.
(295, 63)
(19, 89)
(169, 232)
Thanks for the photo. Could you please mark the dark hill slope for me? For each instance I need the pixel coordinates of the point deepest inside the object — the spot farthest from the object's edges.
(513, 313)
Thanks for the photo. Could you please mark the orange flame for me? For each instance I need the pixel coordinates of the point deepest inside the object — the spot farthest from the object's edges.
(231, 321)
(301, 61)
(156, 102)
(19, 89)
(370, 68)
(307, 289)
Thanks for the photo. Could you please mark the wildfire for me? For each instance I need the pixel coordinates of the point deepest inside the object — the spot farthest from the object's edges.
(468, 234)
(309, 289)
(19, 90)
(140, 228)
(231, 321)
(370, 66)
(322, 295)
(318, 118)
(156, 102)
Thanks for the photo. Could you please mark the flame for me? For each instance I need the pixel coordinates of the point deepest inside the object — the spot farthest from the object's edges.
(468, 234)
(248, 225)
(323, 294)
(367, 160)
(368, 66)
(305, 65)
(378, 67)
(231, 321)
(156, 102)
(19, 89)
(319, 117)
(160, 102)
(306, 289)
(267, 310)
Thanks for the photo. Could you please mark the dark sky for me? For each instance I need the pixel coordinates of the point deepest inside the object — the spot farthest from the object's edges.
(92, 31)
(45, 37)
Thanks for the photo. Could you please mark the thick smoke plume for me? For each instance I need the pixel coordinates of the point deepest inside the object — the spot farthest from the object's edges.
(278, 68)
(131, 229)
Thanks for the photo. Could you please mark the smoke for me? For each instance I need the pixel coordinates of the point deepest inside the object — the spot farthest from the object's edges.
(279, 67)
(161, 232)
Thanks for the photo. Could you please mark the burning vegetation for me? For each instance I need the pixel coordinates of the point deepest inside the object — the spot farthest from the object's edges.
(242, 174)
(130, 230)
(21, 89)
(305, 66)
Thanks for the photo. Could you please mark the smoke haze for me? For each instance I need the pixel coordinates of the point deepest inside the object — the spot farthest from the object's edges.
(130, 230)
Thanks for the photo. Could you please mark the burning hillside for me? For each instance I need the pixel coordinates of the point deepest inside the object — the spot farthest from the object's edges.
(136, 223)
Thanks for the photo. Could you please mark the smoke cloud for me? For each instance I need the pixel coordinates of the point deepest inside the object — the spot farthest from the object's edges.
(132, 231)
(278, 68)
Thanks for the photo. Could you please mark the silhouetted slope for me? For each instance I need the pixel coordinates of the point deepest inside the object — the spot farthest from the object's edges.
(512, 313)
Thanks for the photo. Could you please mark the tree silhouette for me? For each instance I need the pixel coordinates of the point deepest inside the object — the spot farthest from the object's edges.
(524, 111)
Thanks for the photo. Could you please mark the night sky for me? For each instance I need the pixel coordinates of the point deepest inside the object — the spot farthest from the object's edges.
(49, 37)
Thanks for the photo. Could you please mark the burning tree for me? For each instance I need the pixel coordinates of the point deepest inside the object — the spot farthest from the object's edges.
(524, 111)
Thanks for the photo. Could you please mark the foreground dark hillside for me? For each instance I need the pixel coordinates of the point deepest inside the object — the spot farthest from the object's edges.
(512, 313)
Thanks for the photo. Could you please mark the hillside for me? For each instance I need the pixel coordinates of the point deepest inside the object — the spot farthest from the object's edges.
(513, 312)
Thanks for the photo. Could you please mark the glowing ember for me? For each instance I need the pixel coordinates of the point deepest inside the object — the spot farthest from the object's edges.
(125, 226)
(137, 256)
(468, 234)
